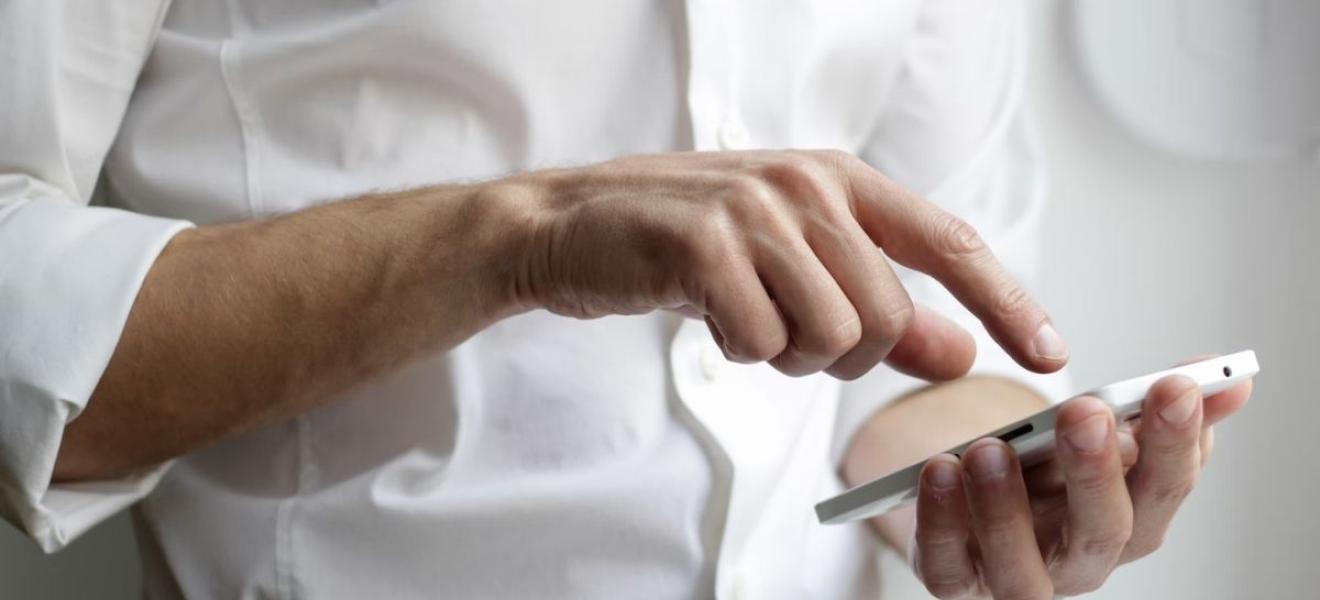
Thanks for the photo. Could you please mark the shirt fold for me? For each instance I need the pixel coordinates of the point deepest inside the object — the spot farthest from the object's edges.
(68, 278)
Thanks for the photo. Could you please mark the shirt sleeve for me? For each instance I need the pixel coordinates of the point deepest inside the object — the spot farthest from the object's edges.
(69, 273)
(955, 128)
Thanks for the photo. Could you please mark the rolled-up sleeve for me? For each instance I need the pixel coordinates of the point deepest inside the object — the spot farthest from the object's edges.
(69, 273)
(955, 128)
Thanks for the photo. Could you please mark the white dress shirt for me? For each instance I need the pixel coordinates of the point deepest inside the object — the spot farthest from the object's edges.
(545, 457)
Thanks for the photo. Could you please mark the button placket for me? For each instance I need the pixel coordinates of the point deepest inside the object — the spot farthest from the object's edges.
(712, 77)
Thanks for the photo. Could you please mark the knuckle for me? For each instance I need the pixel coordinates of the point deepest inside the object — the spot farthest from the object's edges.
(1173, 442)
(1013, 301)
(837, 340)
(1105, 544)
(939, 537)
(796, 162)
(894, 319)
(841, 162)
(799, 176)
(759, 348)
(999, 527)
(786, 169)
(957, 238)
(1172, 493)
(1096, 480)
(837, 156)
(748, 190)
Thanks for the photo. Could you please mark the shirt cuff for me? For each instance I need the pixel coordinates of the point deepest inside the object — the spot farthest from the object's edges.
(69, 275)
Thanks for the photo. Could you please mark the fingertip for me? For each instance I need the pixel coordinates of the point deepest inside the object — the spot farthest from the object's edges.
(1172, 410)
(942, 473)
(1172, 387)
(1227, 402)
(1049, 351)
(1088, 426)
(1080, 409)
(945, 458)
(989, 459)
(1243, 389)
(1037, 348)
(975, 446)
(1222, 404)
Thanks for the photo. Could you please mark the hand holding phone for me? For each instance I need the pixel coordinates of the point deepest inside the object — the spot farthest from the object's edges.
(1033, 437)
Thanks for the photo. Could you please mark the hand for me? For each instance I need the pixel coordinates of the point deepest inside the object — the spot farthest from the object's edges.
(986, 528)
(782, 253)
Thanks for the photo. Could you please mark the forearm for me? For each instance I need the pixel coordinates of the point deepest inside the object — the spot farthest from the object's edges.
(927, 422)
(243, 324)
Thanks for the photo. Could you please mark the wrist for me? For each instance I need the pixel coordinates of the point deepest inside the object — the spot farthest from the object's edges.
(506, 223)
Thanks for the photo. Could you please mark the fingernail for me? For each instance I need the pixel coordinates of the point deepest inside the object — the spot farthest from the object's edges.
(1089, 435)
(990, 461)
(942, 475)
(1180, 410)
(1048, 344)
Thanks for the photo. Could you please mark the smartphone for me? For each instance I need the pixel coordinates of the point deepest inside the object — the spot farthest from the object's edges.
(1033, 437)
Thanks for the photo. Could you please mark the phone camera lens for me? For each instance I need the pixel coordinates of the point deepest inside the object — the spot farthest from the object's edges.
(1228, 371)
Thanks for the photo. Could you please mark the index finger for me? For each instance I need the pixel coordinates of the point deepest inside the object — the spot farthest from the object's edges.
(924, 237)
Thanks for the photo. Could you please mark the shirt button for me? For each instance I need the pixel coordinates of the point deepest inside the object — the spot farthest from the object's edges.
(711, 362)
(733, 136)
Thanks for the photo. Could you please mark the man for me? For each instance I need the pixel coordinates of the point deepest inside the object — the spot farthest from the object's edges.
(368, 369)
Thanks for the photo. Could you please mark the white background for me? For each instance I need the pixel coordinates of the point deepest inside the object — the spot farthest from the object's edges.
(1149, 258)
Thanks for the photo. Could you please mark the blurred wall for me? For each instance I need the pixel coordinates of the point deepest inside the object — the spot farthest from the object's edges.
(1151, 258)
